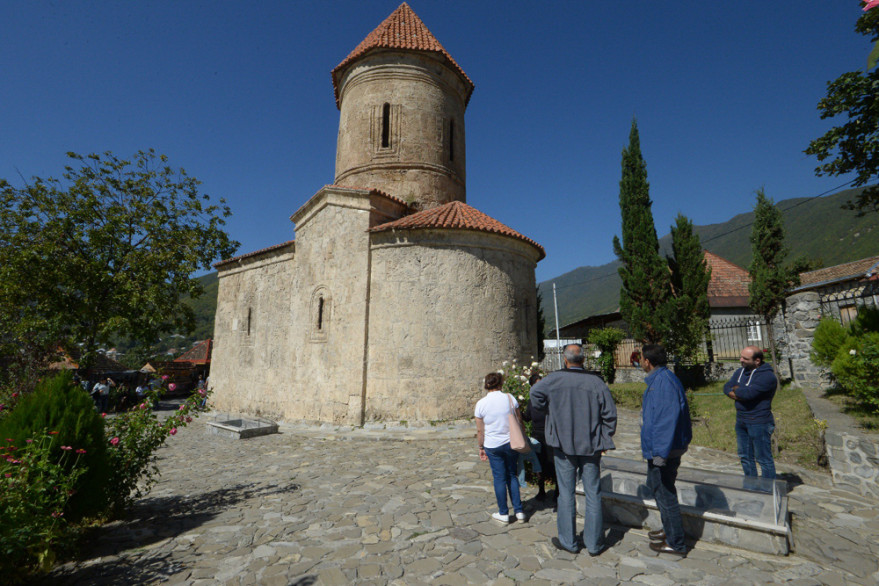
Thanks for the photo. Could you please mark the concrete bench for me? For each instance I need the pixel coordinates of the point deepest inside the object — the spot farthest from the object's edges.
(730, 509)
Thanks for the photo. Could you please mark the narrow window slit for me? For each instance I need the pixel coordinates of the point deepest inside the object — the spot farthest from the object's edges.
(386, 126)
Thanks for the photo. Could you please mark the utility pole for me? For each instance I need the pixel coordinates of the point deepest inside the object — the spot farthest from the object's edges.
(558, 341)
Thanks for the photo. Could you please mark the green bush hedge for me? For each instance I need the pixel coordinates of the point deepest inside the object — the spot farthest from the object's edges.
(59, 405)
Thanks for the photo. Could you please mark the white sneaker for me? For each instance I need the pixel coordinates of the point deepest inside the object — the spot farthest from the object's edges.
(501, 518)
(521, 517)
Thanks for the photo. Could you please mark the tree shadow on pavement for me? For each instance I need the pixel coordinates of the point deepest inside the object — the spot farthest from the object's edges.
(108, 554)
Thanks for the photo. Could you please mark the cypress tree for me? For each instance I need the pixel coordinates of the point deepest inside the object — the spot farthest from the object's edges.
(645, 296)
(690, 275)
(769, 278)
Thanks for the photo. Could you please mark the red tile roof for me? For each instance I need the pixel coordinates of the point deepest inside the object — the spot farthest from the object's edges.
(857, 269)
(198, 354)
(456, 215)
(254, 253)
(727, 279)
(401, 30)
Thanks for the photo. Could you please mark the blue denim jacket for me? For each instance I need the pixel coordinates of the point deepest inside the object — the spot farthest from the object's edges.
(665, 416)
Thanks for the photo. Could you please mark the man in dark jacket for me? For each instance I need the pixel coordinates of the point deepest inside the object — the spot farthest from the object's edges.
(666, 432)
(752, 387)
(580, 426)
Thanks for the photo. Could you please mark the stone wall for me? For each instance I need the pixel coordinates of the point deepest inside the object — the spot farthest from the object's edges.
(255, 308)
(802, 312)
(854, 461)
(446, 307)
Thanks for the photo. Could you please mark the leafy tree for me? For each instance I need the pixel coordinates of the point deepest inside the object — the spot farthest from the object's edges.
(854, 145)
(690, 275)
(769, 277)
(107, 251)
(645, 296)
(607, 340)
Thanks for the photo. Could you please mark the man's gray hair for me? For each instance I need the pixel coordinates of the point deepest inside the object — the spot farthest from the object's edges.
(574, 354)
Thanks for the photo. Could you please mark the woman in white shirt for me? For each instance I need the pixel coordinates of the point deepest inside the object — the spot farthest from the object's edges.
(493, 435)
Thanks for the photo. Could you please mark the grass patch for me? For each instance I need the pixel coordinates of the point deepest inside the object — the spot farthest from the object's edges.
(797, 434)
(628, 395)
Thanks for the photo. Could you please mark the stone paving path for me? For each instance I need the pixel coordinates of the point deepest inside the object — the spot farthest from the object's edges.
(312, 506)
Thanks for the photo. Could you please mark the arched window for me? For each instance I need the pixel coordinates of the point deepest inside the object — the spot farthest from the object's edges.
(321, 314)
(386, 125)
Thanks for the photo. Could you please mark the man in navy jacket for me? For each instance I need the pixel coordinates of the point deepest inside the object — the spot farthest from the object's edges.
(752, 387)
(666, 432)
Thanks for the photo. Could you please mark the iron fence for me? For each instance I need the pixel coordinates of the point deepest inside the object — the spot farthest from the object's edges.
(843, 304)
(725, 340)
(728, 335)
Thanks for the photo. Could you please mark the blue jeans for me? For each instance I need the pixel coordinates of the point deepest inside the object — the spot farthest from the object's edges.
(503, 461)
(533, 457)
(661, 484)
(755, 447)
(567, 468)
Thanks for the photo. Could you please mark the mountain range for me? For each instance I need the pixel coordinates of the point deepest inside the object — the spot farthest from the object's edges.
(817, 228)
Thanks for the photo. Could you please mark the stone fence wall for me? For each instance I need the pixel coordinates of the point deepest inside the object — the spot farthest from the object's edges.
(854, 461)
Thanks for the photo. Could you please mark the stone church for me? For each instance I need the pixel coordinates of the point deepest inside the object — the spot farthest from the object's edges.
(396, 297)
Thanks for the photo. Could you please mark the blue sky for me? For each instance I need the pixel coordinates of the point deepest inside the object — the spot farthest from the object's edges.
(239, 94)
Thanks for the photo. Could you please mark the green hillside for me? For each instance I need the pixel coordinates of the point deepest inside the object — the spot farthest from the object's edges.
(817, 228)
(205, 307)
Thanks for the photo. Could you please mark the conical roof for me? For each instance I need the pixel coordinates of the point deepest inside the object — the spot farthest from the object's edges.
(456, 215)
(401, 30)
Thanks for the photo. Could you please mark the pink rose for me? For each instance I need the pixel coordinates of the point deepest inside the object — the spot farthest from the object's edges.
(173, 431)
(103, 415)
(164, 377)
(142, 406)
(201, 392)
(114, 441)
(182, 407)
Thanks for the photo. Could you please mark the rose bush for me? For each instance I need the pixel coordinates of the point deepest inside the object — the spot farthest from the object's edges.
(133, 438)
(37, 482)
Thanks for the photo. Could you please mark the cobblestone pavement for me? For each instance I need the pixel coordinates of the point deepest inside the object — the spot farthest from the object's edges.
(398, 506)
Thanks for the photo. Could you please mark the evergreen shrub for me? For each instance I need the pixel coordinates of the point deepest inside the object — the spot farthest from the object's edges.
(607, 340)
(857, 369)
(57, 404)
(830, 336)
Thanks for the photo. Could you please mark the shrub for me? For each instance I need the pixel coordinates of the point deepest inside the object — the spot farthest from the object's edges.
(866, 322)
(37, 482)
(830, 336)
(516, 383)
(58, 404)
(133, 437)
(857, 370)
(607, 340)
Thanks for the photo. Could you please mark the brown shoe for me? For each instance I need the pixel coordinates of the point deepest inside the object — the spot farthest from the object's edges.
(663, 547)
(656, 535)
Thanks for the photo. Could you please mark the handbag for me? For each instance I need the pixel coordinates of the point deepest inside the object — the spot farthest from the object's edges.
(518, 441)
